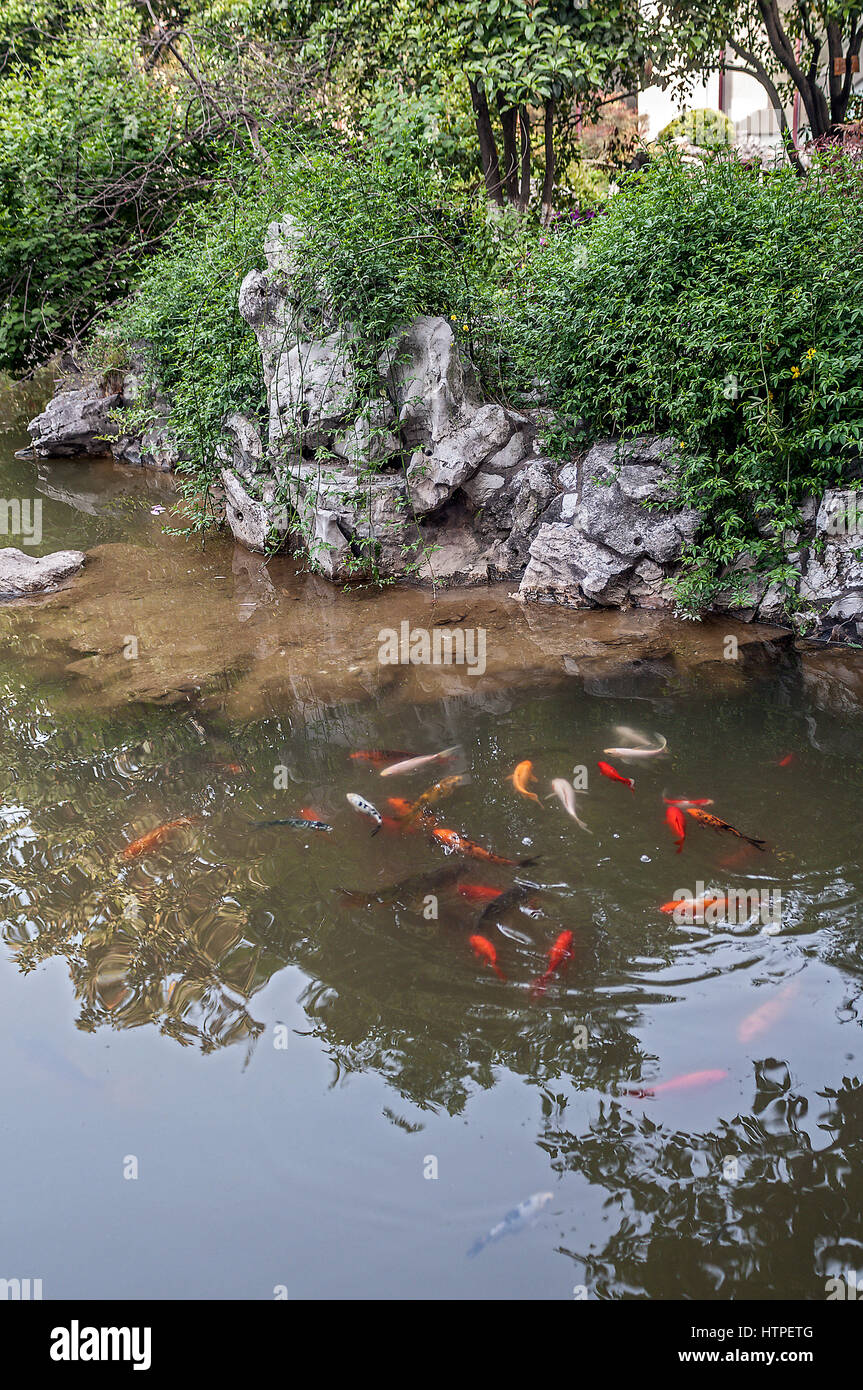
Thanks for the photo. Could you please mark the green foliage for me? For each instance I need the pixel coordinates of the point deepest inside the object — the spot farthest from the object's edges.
(724, 312)
(79, 189)
(199, 350)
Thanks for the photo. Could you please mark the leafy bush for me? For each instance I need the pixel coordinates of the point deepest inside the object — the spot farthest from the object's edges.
(725, 312)
(80, 122)
(711, 130)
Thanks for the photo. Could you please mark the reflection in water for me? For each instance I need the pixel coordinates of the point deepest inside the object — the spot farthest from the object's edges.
(746, 1187)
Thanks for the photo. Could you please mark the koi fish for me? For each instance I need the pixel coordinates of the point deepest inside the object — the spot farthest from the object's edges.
(436, 793)
(694, 907)
(608, 771)
(632, 735)
(674, 819)
(295, 823)
(767, 1013)
(684, 802)
(400, 805)
(523, 774)
(233, 768)
(407, 888)
(738, 857)
(152, 838)
(638, 752)
(479, 892)
(560, 952)
(483, 950)
(689, 1082)
(411, 764)
(516, 1220)
(379, 755)
(499, 906)
(705, 818)
(366, 808)
(453, 841)
(786, 761)
(565, 793)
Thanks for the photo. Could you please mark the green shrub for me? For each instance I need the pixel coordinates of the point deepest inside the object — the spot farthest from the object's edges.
(725, 312)
(711, 130)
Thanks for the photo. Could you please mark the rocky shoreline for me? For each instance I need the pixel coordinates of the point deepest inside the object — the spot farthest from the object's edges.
(419, 478)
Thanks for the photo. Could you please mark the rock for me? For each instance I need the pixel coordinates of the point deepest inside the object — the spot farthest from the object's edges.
(22, 574)
(241, 448)
(75, 423)
(831, 582)
(370, 437)
(258, 524)
(311, 392)
(435, 471)
(599, 542)
(433, 387)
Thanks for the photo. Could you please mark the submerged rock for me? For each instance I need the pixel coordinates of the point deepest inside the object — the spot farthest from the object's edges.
(22, 574)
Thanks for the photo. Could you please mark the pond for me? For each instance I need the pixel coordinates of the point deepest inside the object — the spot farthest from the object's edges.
(251, 1058)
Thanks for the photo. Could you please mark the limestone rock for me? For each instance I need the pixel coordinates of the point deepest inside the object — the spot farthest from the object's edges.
(75, 423)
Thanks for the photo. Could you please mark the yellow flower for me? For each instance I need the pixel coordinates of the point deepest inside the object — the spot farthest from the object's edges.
(770, 395)
(810, 354)
(465, 327)
(452, 318)
(795, 372)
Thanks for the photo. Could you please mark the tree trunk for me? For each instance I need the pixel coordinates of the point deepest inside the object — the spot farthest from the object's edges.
(524, 128)
(487, 146)
(508, 118)
(548, 181)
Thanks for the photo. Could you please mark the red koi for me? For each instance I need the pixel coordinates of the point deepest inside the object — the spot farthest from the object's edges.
(560, 952)
(674, 818)
(613, 776)
(379, 755)
(786, 761)
(483, 950)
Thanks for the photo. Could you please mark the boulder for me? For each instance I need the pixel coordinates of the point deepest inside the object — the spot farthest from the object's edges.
(241, 448)
(75, 423)
(436, 470)
(599, 541)
(22, 574)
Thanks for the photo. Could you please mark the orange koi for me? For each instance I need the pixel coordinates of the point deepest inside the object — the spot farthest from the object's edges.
(520, 778)
(680, 1083)
(152, 838)
(483, 950)
(705, 818)
(767, 1013)
(693, 907)
(613, 776)
(786, 761)
(479, 892)
(457, 843)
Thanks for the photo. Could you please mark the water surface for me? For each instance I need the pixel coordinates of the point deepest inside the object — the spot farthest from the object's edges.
(144, 1003)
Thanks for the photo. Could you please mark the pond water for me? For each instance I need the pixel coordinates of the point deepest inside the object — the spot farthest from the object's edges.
(254, 1057)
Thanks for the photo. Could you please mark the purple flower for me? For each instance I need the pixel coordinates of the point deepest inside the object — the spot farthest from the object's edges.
(156, 511)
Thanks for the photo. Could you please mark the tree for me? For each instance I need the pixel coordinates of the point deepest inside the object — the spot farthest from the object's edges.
(805, 46)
